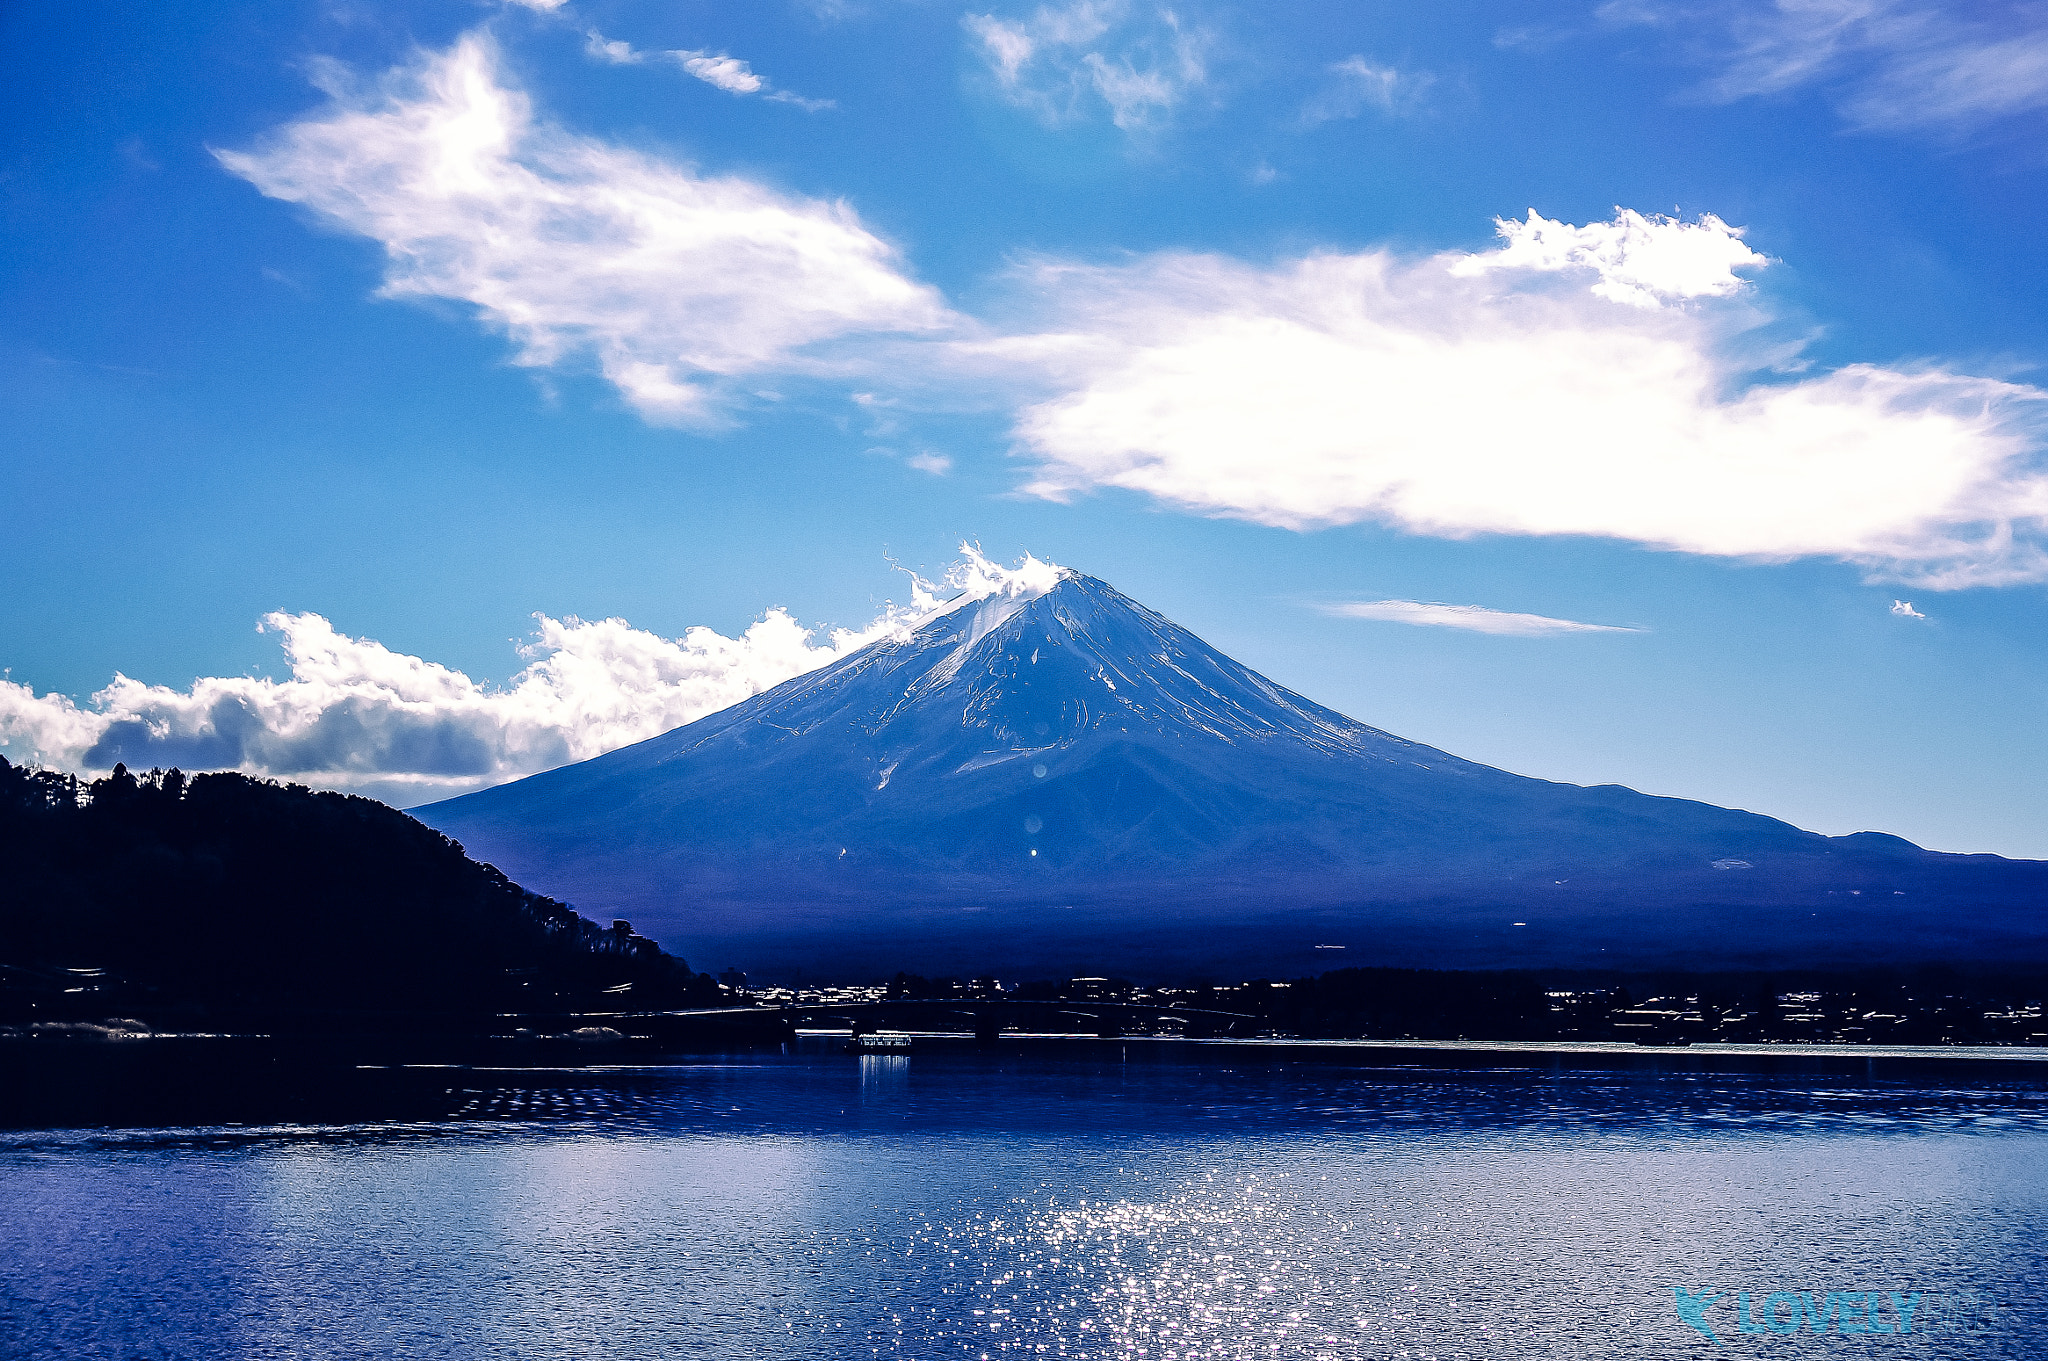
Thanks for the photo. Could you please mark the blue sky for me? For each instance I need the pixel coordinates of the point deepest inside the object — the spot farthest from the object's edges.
(451, 327)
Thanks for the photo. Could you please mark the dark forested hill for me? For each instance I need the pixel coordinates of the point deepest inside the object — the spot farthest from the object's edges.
(227, 893)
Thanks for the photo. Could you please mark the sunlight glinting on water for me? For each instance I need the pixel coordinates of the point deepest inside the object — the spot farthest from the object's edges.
(1228, 1268)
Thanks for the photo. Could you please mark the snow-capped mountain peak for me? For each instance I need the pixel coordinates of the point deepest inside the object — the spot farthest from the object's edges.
(1044, 744)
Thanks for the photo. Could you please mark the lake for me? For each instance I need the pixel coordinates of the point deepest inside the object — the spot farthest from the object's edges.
(1091, 1200)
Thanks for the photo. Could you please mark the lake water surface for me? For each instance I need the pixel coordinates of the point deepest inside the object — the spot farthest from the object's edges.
(1114, 1202)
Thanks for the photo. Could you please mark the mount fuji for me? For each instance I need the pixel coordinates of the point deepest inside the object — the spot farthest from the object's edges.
(1053, 777)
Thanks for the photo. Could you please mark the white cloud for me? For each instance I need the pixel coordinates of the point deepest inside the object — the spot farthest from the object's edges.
(1904, 610)
(356, 715)
(926, 461)
(718, 69)
(1888, 64)
(1642, 261)
(1357, 85)
(1459, 395)
(611, 50)
(807, 105)
(675, 282)
(1473, 618)
(727, 73)
(1139, 63)
(1005, 46)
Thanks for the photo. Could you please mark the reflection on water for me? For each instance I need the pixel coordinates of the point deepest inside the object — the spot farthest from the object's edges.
(968, 1206)
(885, 1080)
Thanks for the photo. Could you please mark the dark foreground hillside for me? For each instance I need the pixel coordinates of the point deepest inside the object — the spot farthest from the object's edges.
(222, 898)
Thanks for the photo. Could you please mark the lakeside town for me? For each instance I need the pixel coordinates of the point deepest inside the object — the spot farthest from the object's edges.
(1935, 1008)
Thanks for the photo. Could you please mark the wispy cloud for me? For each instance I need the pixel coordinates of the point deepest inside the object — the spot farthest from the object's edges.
(357, 715)
(1567, 384)
(1887, 64)
(1904, 610)
(716, 69)
(1356, 85)
(1472, 618)
(1065, 62)
(674, 282)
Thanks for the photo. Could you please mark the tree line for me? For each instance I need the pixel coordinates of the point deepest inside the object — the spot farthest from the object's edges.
(222, 893)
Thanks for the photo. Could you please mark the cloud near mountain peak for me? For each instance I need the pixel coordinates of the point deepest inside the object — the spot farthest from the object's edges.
(353, 714)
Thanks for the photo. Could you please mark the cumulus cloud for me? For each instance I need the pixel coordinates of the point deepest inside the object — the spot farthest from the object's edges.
(1063, 63)
(1472, 618)
(1887, 64)
(1522, 391)
(356, 715)
(1904, 610)
(353, 712)
(1641, 261)
(1357, 85)
(717, 69)
(674, 282)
